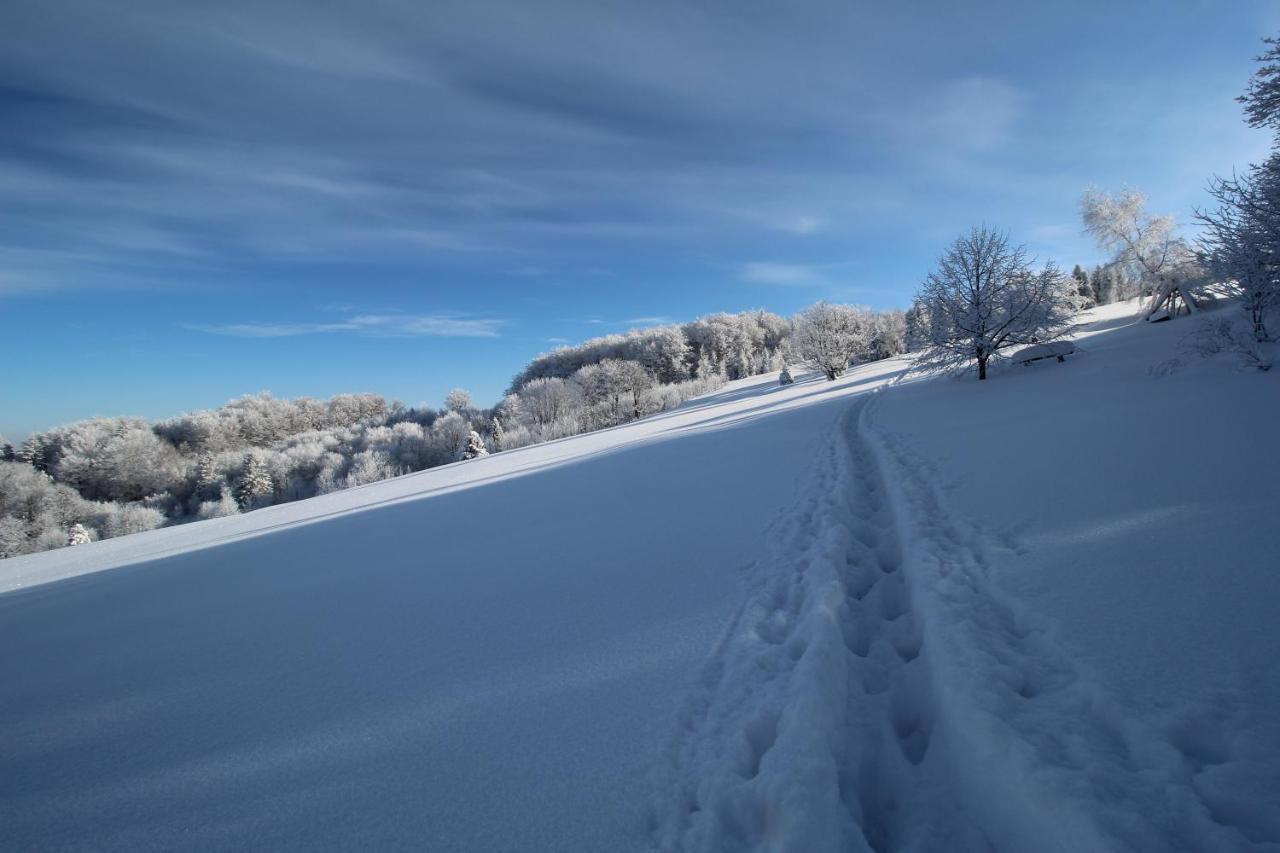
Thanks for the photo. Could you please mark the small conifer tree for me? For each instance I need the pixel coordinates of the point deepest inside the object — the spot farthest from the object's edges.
(78, 535)
(475, 446)
(254, 485)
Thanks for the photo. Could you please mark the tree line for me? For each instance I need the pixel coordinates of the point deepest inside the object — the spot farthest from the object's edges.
(106, 477)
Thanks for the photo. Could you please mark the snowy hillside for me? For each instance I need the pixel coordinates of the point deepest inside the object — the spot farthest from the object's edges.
(875, 614)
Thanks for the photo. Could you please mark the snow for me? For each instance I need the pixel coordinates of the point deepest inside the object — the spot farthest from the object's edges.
(1035, 352)
(882, 613)
(483, 656)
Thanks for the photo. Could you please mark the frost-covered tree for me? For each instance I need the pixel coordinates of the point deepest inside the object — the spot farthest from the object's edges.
(255, 484)
(475, 446)
(124, 519)
(1084, 290)
(888, 334)
(78, 535)
(208, 479)
(830, 337)
(449, 437)
(459, 400)
(497, 431)
(917, 323)
(985, 297)
(1262, 97)
(7, 453)
(368, 466)
(634, 381)
(732, 344)
(38, 452)
(785, 377)
(1240, 241)
(546, 400)
(219, 507)
(665, 353)
(1147, 246)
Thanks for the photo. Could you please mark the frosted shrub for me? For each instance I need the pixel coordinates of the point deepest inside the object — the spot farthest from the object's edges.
(224, 505)
(131, 518)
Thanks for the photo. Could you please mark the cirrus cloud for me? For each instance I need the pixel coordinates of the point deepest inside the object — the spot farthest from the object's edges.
(368, 325)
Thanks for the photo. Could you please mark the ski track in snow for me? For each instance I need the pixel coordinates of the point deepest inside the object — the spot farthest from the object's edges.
(876, 692)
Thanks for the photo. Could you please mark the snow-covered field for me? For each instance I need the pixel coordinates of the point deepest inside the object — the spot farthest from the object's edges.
(876, 614)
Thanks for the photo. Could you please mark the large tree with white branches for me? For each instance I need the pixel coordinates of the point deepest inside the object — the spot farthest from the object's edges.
(985, 297)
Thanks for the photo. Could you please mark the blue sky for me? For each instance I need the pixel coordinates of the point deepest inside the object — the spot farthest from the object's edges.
(203, 200)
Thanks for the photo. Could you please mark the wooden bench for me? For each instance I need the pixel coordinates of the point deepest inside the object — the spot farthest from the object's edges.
(1054, 349)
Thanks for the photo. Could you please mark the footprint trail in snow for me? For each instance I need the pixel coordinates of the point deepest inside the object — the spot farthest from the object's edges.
(876, 693)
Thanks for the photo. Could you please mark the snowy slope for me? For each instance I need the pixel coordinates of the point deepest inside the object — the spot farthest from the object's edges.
(1135, 518)
(877, 614)
(485, 656)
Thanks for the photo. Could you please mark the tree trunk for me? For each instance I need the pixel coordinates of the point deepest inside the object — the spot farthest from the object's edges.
(982, 366)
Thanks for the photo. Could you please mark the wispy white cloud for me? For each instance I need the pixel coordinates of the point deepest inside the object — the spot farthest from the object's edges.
(369, 325)
(979, 113)
(770, 272)
(647, 321)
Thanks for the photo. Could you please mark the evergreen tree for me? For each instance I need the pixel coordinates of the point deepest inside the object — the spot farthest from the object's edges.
(785, 378)
(254, 485)
(475, 446)
(1083, 289)
(497, 434)
(1095, 285)
(208, 480)
(78, 535)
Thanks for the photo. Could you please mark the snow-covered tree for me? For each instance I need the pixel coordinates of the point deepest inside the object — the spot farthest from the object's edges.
(124, 519)
(1262, 98)
(449, 437)
(459, 400)
(1241, 239)
(665, 353)
(497, 431)
(475, 446)
(78, 535)
(888, 334)
(1147, 246)
(785, 377)
(255, 484)
(634, 381)
(369, 466)
(984, 297)
(7, 453)
(219, 507)
(830, 337)
(605, 386)
(546, 400)
(917, 323)
(1084, 290)
(208, 479)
